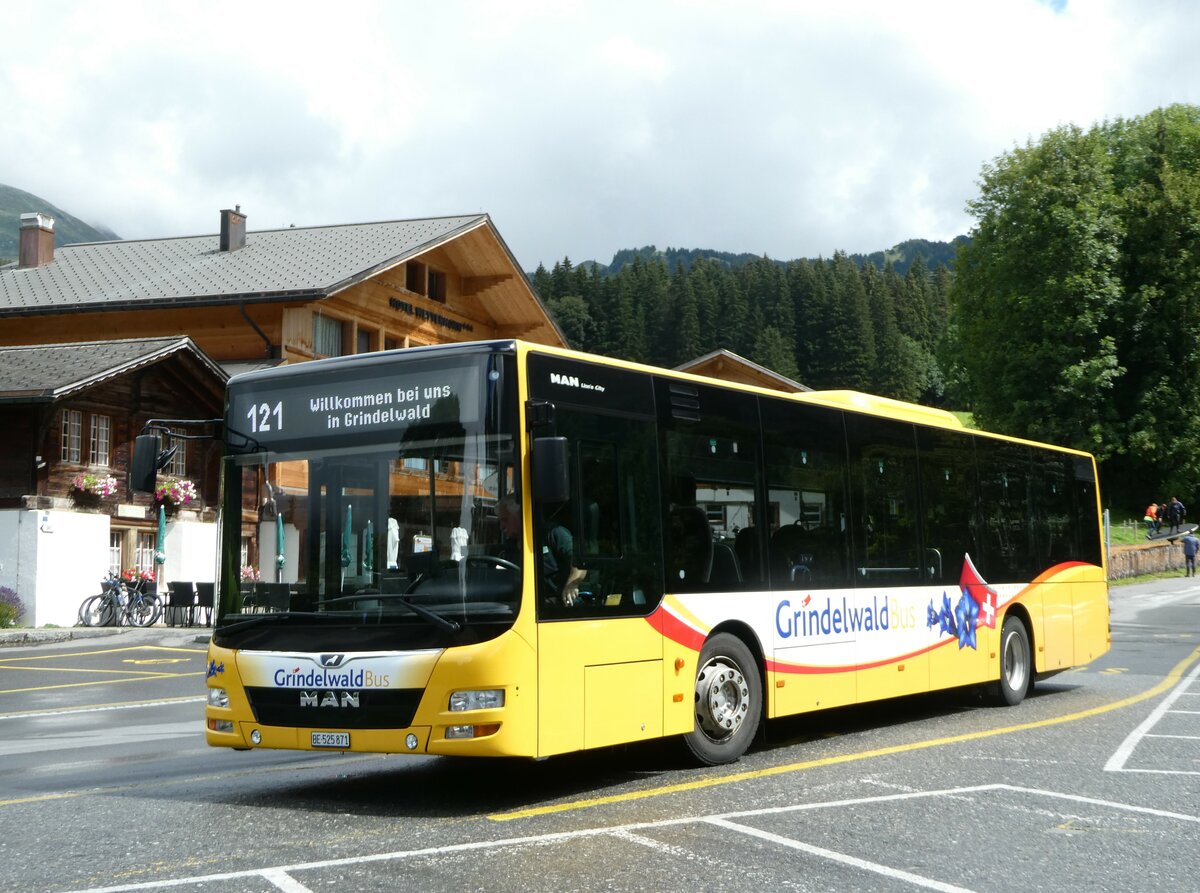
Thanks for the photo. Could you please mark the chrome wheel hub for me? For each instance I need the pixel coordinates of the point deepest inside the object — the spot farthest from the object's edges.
(722, 698)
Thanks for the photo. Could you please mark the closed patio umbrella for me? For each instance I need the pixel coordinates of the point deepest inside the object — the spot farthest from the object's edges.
(346, 556)
(160, 543)
(369, 547)
(280, 558)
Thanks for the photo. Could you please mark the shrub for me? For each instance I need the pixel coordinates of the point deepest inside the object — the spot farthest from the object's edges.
(11, 607)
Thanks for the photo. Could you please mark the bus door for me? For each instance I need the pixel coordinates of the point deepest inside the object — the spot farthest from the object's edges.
(597, 569)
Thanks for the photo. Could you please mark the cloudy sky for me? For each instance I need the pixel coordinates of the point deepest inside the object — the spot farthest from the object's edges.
(792, 129)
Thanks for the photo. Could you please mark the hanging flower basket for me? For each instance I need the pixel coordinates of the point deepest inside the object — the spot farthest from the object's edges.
(88, 489)
(175, 495)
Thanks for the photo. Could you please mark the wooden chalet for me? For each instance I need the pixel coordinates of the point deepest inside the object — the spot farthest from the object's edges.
(729, 366)
(283, 295)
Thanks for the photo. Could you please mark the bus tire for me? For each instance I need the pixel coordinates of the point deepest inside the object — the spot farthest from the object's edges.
(1016, 663)
(728, 701)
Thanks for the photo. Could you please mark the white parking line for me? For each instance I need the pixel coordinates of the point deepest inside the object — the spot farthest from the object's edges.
(831, 855)
(1116, 763)
(102, 708)
(284, 881)
(281, 875)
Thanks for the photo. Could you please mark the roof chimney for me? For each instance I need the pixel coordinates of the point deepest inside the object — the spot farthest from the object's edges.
(37, 240)
(233, 229)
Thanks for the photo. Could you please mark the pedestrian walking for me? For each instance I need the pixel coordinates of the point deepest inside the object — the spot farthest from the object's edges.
(1176, 512)
(1151, 519)
(1191, 545)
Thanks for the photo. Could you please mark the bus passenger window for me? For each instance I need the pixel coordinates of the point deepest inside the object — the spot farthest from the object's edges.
(887, 542)
(806, 491)
(949, 486)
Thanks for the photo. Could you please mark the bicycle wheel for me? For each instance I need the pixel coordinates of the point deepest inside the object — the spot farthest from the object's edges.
(143, 609)
(97, 610)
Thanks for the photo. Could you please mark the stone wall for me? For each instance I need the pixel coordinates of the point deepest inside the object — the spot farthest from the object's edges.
(1151, 558)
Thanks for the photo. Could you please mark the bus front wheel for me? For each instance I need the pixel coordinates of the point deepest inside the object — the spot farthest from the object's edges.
(728, 701)
(1016, 663)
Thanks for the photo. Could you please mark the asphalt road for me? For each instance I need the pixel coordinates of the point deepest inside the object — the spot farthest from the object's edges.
(1092, 783)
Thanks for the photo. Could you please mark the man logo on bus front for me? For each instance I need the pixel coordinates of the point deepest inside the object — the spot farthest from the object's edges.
(329, 661)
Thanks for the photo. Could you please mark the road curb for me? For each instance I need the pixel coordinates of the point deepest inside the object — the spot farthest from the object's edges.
(12, 638)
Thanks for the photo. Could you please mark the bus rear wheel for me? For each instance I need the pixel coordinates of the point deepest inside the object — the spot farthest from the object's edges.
(728, 701)
(1016, 663)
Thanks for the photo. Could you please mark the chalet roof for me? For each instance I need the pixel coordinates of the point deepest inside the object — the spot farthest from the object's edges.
(42, 373)
(285, 264)
(727, 365)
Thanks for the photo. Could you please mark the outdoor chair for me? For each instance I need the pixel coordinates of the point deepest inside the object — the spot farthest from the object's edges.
(273, 596)
(205, 597)
(180, 607)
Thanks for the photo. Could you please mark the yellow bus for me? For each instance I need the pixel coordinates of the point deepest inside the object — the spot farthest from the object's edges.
(504, 549)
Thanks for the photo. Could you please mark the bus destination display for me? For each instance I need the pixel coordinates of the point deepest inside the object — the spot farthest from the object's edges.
(323, 408)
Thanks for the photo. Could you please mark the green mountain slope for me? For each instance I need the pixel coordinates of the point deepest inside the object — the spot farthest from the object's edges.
(901, 256)
(68, 230)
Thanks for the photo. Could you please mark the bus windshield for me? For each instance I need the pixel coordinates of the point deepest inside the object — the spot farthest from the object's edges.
(365, 506)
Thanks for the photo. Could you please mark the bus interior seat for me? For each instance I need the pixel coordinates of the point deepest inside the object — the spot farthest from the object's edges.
(693, 544)
(725, 568)
(792, 556)
(746, 545)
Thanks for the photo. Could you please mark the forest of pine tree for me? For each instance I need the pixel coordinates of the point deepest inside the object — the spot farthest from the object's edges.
(825, 323)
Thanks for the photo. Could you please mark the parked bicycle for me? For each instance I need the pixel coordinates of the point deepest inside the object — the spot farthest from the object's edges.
(119, 604)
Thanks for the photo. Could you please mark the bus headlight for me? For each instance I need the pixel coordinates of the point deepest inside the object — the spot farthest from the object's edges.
(484, 699)
(218, 697)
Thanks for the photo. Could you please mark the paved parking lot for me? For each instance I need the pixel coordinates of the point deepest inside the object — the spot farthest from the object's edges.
(1092, 783)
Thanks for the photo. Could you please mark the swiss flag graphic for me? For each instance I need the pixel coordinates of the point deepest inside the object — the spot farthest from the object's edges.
(983, 595)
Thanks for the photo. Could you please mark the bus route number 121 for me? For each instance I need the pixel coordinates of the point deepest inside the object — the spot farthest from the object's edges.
(261, 416)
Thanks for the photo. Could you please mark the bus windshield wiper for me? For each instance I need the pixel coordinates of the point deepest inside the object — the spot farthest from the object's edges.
(421, 611)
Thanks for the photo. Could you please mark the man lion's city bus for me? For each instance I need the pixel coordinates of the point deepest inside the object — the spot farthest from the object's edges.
(504, 549)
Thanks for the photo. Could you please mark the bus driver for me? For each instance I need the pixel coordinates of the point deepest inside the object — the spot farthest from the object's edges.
(559, 579)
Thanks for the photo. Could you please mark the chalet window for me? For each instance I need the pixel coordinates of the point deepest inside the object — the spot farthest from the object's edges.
(414, 277)
(72, 434)
(364, 342)
(100, 441)
(115, 538)
(437, 285)
(327, 336)
(178, 464)
(144, 557)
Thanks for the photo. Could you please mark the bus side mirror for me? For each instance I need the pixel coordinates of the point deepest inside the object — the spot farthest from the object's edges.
(147, 460)
(551, 479)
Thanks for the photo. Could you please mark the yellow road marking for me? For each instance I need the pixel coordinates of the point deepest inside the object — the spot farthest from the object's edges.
(38, 799)
(131, 675)
(1170, 679)
(56, 655)
(142, 677)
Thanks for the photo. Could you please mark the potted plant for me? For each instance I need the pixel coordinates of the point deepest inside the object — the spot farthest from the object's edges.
(175, 495)
(137, 579)
(87, 489)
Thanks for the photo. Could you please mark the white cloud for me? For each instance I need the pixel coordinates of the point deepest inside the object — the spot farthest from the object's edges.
(793, 129)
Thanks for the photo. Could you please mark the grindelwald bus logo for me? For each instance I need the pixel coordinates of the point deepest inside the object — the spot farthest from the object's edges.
(332, 660)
